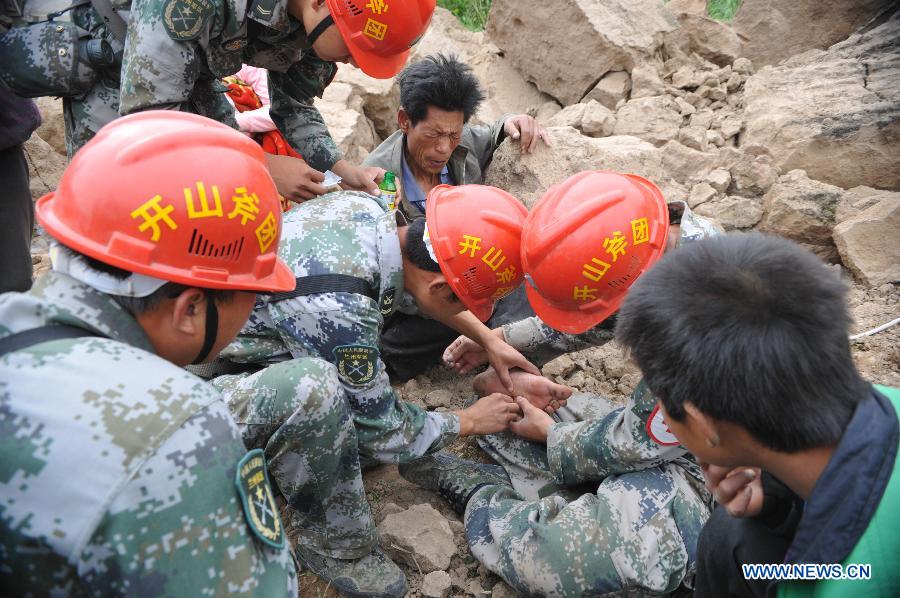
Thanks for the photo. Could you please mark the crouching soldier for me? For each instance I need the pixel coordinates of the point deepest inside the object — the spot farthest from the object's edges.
(123, 473)
(597, 499)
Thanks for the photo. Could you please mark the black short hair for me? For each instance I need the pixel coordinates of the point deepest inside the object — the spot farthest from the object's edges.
(440, 81)
(751, 329)
(139, 305)
(415, 250)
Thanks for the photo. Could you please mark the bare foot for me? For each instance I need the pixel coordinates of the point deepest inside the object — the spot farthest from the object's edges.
(541, 392)
(464, 354)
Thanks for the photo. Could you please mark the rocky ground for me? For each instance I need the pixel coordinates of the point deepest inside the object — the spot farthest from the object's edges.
(787, 122)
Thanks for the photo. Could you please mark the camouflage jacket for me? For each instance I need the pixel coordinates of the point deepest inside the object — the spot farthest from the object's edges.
(355, 235)
(532, 333)
(630, 438)
(119, 468)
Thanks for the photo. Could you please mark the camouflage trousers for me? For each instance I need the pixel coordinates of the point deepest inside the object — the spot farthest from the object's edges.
(632, 533)
(296, 412)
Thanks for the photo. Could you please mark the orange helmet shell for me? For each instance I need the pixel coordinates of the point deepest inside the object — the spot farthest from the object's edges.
(585, 243)
(476, 231)
(175, 196)
(379, 33)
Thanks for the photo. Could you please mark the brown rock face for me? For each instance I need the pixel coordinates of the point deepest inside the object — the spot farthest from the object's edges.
(566, 46)
(775, 29)
(835, 113)
(869, 243)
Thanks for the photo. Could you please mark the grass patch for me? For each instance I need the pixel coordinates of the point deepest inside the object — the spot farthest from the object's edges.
(472, 14)
(722, 10)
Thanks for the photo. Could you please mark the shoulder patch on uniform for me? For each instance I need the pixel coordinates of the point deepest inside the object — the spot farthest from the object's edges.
(386, 305)
(658, 430)
(356, 363)
(184, 19)
(260, 510)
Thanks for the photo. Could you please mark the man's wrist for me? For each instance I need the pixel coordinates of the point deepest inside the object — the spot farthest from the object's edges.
(465, 422)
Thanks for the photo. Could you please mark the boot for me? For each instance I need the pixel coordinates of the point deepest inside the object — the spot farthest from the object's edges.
(452, 477)
(372, 576)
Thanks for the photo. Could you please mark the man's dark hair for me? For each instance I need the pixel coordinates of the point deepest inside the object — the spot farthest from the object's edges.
(751, 329)
(415, 250)
(139, 305)
(440, 81)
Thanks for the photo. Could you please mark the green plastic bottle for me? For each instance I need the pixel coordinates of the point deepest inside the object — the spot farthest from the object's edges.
(388, 188)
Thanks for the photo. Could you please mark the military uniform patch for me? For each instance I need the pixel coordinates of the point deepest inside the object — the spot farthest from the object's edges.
(356, 363)
(252, 481)
(184, 19)
(659, 431)
(387, 302)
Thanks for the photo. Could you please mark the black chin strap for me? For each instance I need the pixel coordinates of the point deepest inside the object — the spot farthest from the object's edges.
(212, 329)
(319, 29)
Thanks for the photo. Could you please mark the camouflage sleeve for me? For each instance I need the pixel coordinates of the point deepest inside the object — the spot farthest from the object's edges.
(486, 138)
(532, 334)
(630, 438)
(344, 328)
(294, 114)
(157, 70)
(187, 489)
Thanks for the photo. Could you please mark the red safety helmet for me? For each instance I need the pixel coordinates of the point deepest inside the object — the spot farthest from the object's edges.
(379, 33)
(175, 196)
(585, 243)
(475, 232)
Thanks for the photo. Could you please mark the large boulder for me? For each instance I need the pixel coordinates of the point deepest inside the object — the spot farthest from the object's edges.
(566, 46)
(802, 209)
(343, 112)
(713, 40)
(527, 176)
(591, 118)
(835, 113)
(775, 29)
(869, 242)
(655, 119)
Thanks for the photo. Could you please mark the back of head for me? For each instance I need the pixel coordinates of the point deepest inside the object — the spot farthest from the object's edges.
(171, 197)
(440, 81)
(751, 329)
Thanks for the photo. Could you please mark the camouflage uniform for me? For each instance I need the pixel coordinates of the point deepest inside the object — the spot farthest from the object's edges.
(119, 467)
(177, 50)
(602, 508)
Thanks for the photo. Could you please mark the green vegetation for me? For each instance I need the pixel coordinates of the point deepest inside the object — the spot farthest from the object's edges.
(722, 10)
(474, 13)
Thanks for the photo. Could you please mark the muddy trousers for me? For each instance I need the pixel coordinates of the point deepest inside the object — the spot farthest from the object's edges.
(296, 412)
(631, 534)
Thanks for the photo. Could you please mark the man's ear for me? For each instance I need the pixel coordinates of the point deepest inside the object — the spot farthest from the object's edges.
(403, 121)
(187, 309)
(702, 423)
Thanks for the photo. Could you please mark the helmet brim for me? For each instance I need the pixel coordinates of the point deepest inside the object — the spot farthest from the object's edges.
(571, 322)
(378, 67)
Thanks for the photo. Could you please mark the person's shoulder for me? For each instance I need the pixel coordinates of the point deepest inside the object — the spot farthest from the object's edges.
(386, 155)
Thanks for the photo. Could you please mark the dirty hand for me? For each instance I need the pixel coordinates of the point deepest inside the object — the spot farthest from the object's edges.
(294, 178)
(738, 489)
(503, 357)
(488, 415)
(357, 178)
(526, 131)
(534, 424)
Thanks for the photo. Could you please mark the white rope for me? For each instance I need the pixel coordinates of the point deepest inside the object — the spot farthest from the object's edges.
(876, 330)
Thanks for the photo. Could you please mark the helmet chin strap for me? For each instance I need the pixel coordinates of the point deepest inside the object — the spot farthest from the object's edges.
(212, 329)
(319, 29)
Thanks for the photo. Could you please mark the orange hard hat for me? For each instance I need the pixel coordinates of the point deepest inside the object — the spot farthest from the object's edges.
(379, 33)
(586, 241)
(475, 232)
(174, 196)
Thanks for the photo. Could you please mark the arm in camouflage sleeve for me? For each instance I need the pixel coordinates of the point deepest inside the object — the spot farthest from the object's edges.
(617, 443)
(343, 328)
(183, 507)
(294, 114)
(532, 334)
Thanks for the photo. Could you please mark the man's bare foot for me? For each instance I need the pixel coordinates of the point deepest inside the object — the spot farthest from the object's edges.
(541, 392)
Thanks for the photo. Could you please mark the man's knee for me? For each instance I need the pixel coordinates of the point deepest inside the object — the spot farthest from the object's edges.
(306, 388)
